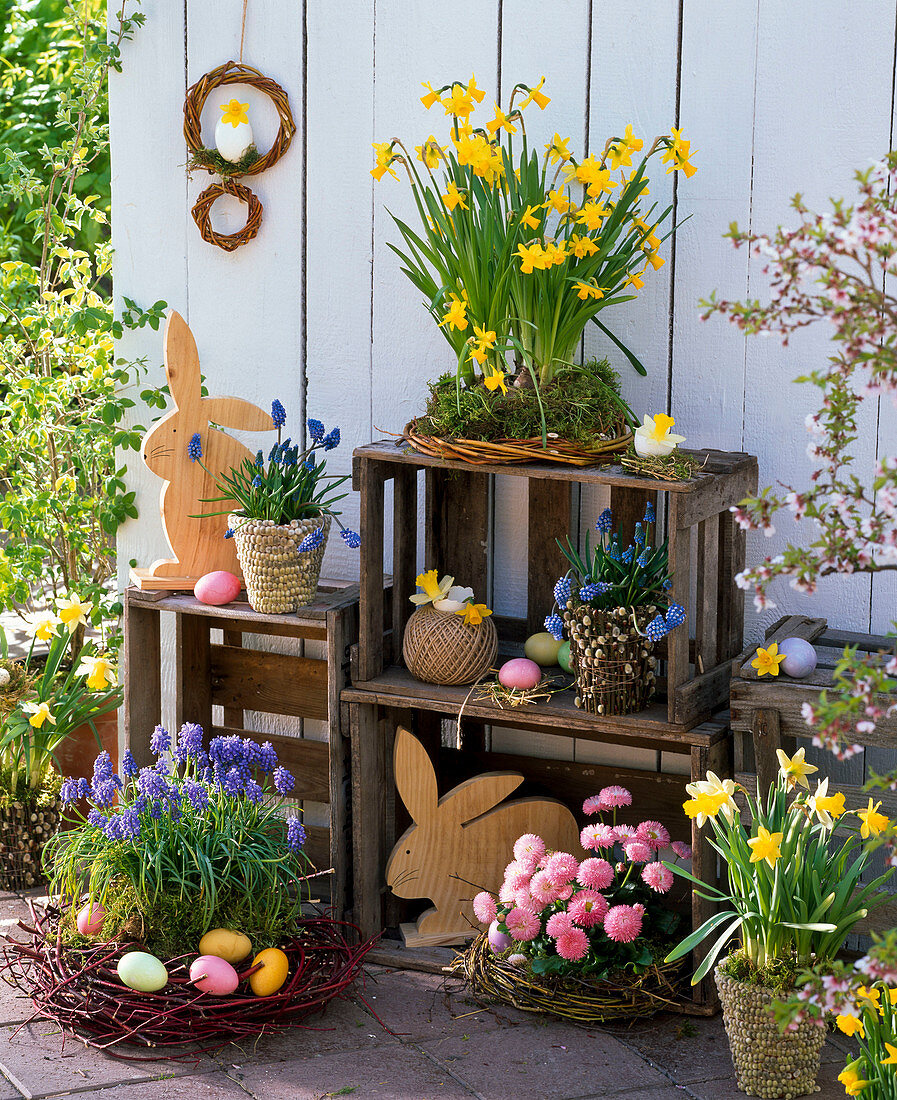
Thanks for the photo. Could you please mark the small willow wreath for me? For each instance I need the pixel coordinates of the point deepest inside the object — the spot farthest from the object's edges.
(233, 73)
(202, 209)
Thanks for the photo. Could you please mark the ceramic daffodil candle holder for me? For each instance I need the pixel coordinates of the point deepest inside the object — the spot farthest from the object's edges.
(233, 134)
(654, 439)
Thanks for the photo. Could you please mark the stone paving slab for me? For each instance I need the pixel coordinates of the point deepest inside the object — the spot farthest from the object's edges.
(209, 1086)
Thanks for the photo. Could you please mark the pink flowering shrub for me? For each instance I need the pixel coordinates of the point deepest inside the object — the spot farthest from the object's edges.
(835, 267)
(590, 917)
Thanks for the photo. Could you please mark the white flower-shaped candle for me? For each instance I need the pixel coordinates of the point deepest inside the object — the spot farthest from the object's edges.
(654, 439)
(233, 134)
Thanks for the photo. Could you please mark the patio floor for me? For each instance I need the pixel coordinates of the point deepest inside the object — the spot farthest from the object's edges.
(443, 1047)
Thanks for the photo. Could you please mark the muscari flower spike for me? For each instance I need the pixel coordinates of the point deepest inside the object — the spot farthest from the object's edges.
(295, 834)
(332, 440)
(351, 538)
(639, 537)
(194, 447)
(656, 629)
(613, 551)
(642, 559)
(312, 541)
(259, 459)
(675, 616)
(257, 482)
(562, 591)
(316, 430)
(554, 624)
(605, 521)
(649, 513)
(278, 414)
(590, 591)
(628, 554)
(229, 533)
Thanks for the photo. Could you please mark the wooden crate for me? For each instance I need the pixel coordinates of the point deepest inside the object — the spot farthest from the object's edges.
(240, 679)
(766, 715)
(706, 552)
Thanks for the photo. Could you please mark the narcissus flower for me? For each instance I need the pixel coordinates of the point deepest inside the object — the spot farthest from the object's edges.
(531, 217)
(481, 343)
(433, 588)
(581, 246)
(472, 89)
(431, 97)
(501, 122)
(766, 845)
(592, 215)
(495, 381)
(654, 438)
(704, 805)
(635, 280)
(716, 787)
(459, 102)
(454, 600)
(536, 96)
(98, 671)
(556, 150)
(891, 1059)
(558, 201)
(592, 176)
(453, 197)
(430, 152)
(40, 713)
(850, 1025)
(677, 154)
(72, 612)
(620, 153)
(768, 660)
(826, 806)
(234, 112)
(795, 768)
(588, 290)
(851, 1080)
(42, 625)
(474, 613)
(456, 314)
(530, 256)
(384, 158)
(873, 822)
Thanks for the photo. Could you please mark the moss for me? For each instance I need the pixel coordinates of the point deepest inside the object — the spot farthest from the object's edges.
(779, 974)
(35, 798)
(213, 161)
(581, 403)
(20, 682)
(170, 926)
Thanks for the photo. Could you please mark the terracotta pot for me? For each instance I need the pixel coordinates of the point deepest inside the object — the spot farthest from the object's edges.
(78, 751)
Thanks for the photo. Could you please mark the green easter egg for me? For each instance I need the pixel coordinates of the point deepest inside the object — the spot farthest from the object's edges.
(564, 657)
(542, 648)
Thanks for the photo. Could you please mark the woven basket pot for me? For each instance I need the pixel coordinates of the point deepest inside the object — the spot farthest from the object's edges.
(279, 579)
(440, 648)
(24, 830)
(613, 663)
(767, 1063)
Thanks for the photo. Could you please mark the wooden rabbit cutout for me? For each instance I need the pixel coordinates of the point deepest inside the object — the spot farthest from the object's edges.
(461, 843)
(197, 541)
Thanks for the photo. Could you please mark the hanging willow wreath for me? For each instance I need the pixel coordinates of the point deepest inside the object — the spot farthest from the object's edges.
(202, 209)
(232, 72)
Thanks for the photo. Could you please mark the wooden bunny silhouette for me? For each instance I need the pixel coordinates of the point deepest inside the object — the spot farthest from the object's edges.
(197, 541)
(461, 843)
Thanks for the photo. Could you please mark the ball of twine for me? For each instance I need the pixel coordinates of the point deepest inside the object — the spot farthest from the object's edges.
(202, 214)
(233, 73)
(440, 648)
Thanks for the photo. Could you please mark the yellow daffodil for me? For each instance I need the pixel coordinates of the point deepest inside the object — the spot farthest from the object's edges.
(234, 112)
(558, 201)
(634, 280)
(40, 713)
(481, 343)
(850, 1025)
(495, 381)
(72, 612)
(501, 122)
(891, 1059)
(719, 788)
(459, 102)
(629, 179)
(536, 96)
(42, 625)
(472, 149)
(620, 153)
(430, 153)
(431, 97)
(456, 314)
(556, 150)
(592, 176)
(851, 1080)
(868, 993)
(474, 613)
(592, 215)
(98, 671)
(653, 437)
(530, 256)
(677, 154)
(453, 197)
(384, 157)
(794, 768)
(766, 845)
(655, 261)
(531, 217)
(703, 805)
(472, 90)
(588, 290)
(433, 588)
(454, 599)
(768, 660)
(826, 806)
(552, 254)
(873, 822)
(581, 246)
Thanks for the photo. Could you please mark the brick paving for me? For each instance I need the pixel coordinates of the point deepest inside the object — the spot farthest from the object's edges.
(437, 1044)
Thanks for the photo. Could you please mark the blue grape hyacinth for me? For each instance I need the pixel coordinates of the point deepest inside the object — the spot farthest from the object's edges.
(656, 629)
(351, 538)
(675, 616)
(194, 447)
(278, 414)
(312, 541)
(331, 440)
(605, 521)
(562, 591)
(591, 591)
(316, 430)
(554, 624)
(649, 513)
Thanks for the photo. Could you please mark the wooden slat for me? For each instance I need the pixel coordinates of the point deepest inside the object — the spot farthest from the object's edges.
(193, 688)
(791, 626)
(307, 760)
(698, 698)
(275, 683)
(404, 551)
(628, 508)
(367, 477)
(679, 537)
(766, 735)
(548, 511)
(331, 594)
(707, 594)
(717, 494)
(143, 688)
(788, 699)
(317, 848)
(732, 551)
(341, 625)
(705, 863)
(458, 526)
(369, 779)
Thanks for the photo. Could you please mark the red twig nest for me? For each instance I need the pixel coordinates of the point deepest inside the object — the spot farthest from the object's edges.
(78, 988)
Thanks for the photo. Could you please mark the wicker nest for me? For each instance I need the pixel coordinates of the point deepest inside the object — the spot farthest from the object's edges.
(78, 988)
(480, 452)
(627, 996)
(202, 210)
(440, 648)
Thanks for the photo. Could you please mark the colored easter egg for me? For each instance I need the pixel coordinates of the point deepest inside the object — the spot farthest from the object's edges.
(273, 974)
(564, 657)
(231, 946)
(498, 941)
(90, 919)
(217, 588)
(141, 971)
(519, 673)
(800, 657)
(213, 975)
(542, 648)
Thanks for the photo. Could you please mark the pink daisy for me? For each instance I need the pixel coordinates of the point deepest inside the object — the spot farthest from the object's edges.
(683, 851)
(639, 908)
(517, 959)
(594, 837)
(561, 868)
(523, 924)
(623, 923)
(518, 879)
(558, 923)
(505, 893)
(637, 851)
(593, 805)
(543, 889)
(653, 833)
(588, 908)
(573, 944)
(485, 908)
(524, 900)
(528, 850)
(657, 876)
(625, 832)
(566, 892)
(597, 874)
(614, 797)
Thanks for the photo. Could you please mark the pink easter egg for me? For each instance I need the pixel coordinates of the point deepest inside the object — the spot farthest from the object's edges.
(217, 588)
(90, 919)
(213, 975)
(498, 941)
(519, 673)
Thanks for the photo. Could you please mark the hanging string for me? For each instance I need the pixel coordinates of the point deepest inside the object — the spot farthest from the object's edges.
(243, 29)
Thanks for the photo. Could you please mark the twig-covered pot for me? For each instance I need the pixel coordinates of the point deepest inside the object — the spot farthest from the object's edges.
(767, 1063)
(440, 648)
(278, 578)
(24, 830)
(612, 659)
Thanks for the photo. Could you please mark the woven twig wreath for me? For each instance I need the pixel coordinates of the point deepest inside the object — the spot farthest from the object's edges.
(233, 73)
(202, 210)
